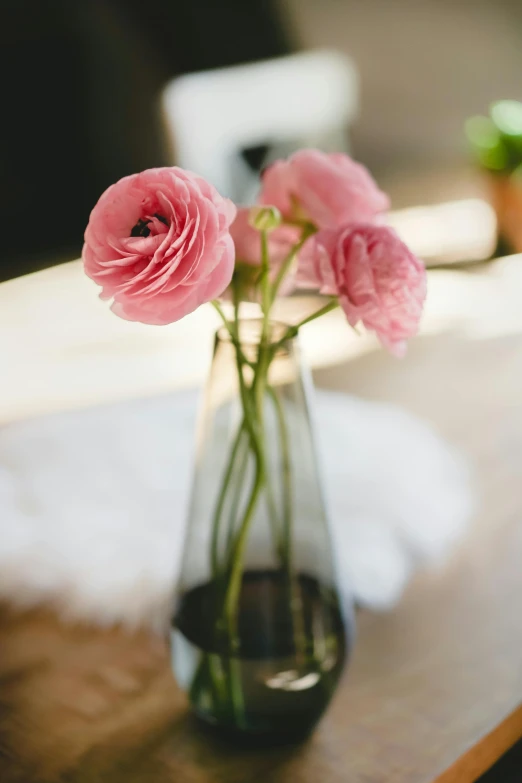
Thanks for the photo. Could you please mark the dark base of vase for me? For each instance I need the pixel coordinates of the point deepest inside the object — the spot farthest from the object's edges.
(276, 686)
(250, 739)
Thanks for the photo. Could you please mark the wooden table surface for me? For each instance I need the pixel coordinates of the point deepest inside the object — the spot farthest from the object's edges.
(434, 689)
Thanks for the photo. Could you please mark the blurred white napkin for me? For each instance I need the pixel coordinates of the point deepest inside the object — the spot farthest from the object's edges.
(92, 503)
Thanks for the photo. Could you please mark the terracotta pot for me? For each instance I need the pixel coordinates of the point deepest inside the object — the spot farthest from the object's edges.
(506, 199)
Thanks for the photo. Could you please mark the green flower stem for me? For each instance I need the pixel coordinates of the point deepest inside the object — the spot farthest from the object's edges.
(238, 486)
(218, 513)
(274, 521)
(251, 419)
(243, 461)
(286, 472)
(231, 602)
(266, 298)
(292, 331)
(234, 573)
(332, 304)
(287, 541)
(254, 419)
(307, 227)
(236, 300)
(209, 676)
(233, 330)
(284, 268)
(217, 307)
(236, 691)
(308, 230)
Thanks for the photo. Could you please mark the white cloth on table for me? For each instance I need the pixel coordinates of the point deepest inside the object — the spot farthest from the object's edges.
(92, 503)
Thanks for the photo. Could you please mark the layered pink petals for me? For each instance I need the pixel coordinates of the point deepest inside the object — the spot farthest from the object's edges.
(162, 242)
(158, 244)
(379, 282)
(328, 190)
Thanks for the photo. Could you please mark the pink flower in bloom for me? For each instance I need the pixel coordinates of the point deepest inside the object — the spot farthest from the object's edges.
(379, 282)
(158, 243)
(329, 190)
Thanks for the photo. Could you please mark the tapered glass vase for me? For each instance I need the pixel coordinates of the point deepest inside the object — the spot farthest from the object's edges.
(260, 633)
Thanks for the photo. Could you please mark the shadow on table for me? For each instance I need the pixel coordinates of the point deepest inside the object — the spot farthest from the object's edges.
(81, 704)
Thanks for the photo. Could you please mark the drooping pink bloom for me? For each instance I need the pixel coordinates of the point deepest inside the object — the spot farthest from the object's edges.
(378, 280)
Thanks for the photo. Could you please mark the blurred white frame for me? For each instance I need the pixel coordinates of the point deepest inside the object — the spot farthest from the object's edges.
(306, 99)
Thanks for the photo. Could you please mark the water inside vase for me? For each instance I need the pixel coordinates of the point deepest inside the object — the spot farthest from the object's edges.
(290, 653)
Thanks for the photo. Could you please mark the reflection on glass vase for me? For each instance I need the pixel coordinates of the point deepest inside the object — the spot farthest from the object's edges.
(259, 635)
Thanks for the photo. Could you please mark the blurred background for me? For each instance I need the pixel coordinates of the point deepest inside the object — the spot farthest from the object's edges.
(92, 91)
(424, 93)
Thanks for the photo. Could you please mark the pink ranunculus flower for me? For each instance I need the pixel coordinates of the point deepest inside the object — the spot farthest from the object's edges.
(248, 246)
(159, 245)
(329, 190)
(378, 280)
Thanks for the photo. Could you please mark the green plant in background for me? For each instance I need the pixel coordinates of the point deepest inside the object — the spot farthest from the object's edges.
(496, 140)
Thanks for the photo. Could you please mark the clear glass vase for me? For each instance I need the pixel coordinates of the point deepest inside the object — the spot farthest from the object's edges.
(260, 635)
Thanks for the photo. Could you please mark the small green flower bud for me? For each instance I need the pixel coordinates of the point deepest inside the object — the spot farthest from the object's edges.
(264, 218)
